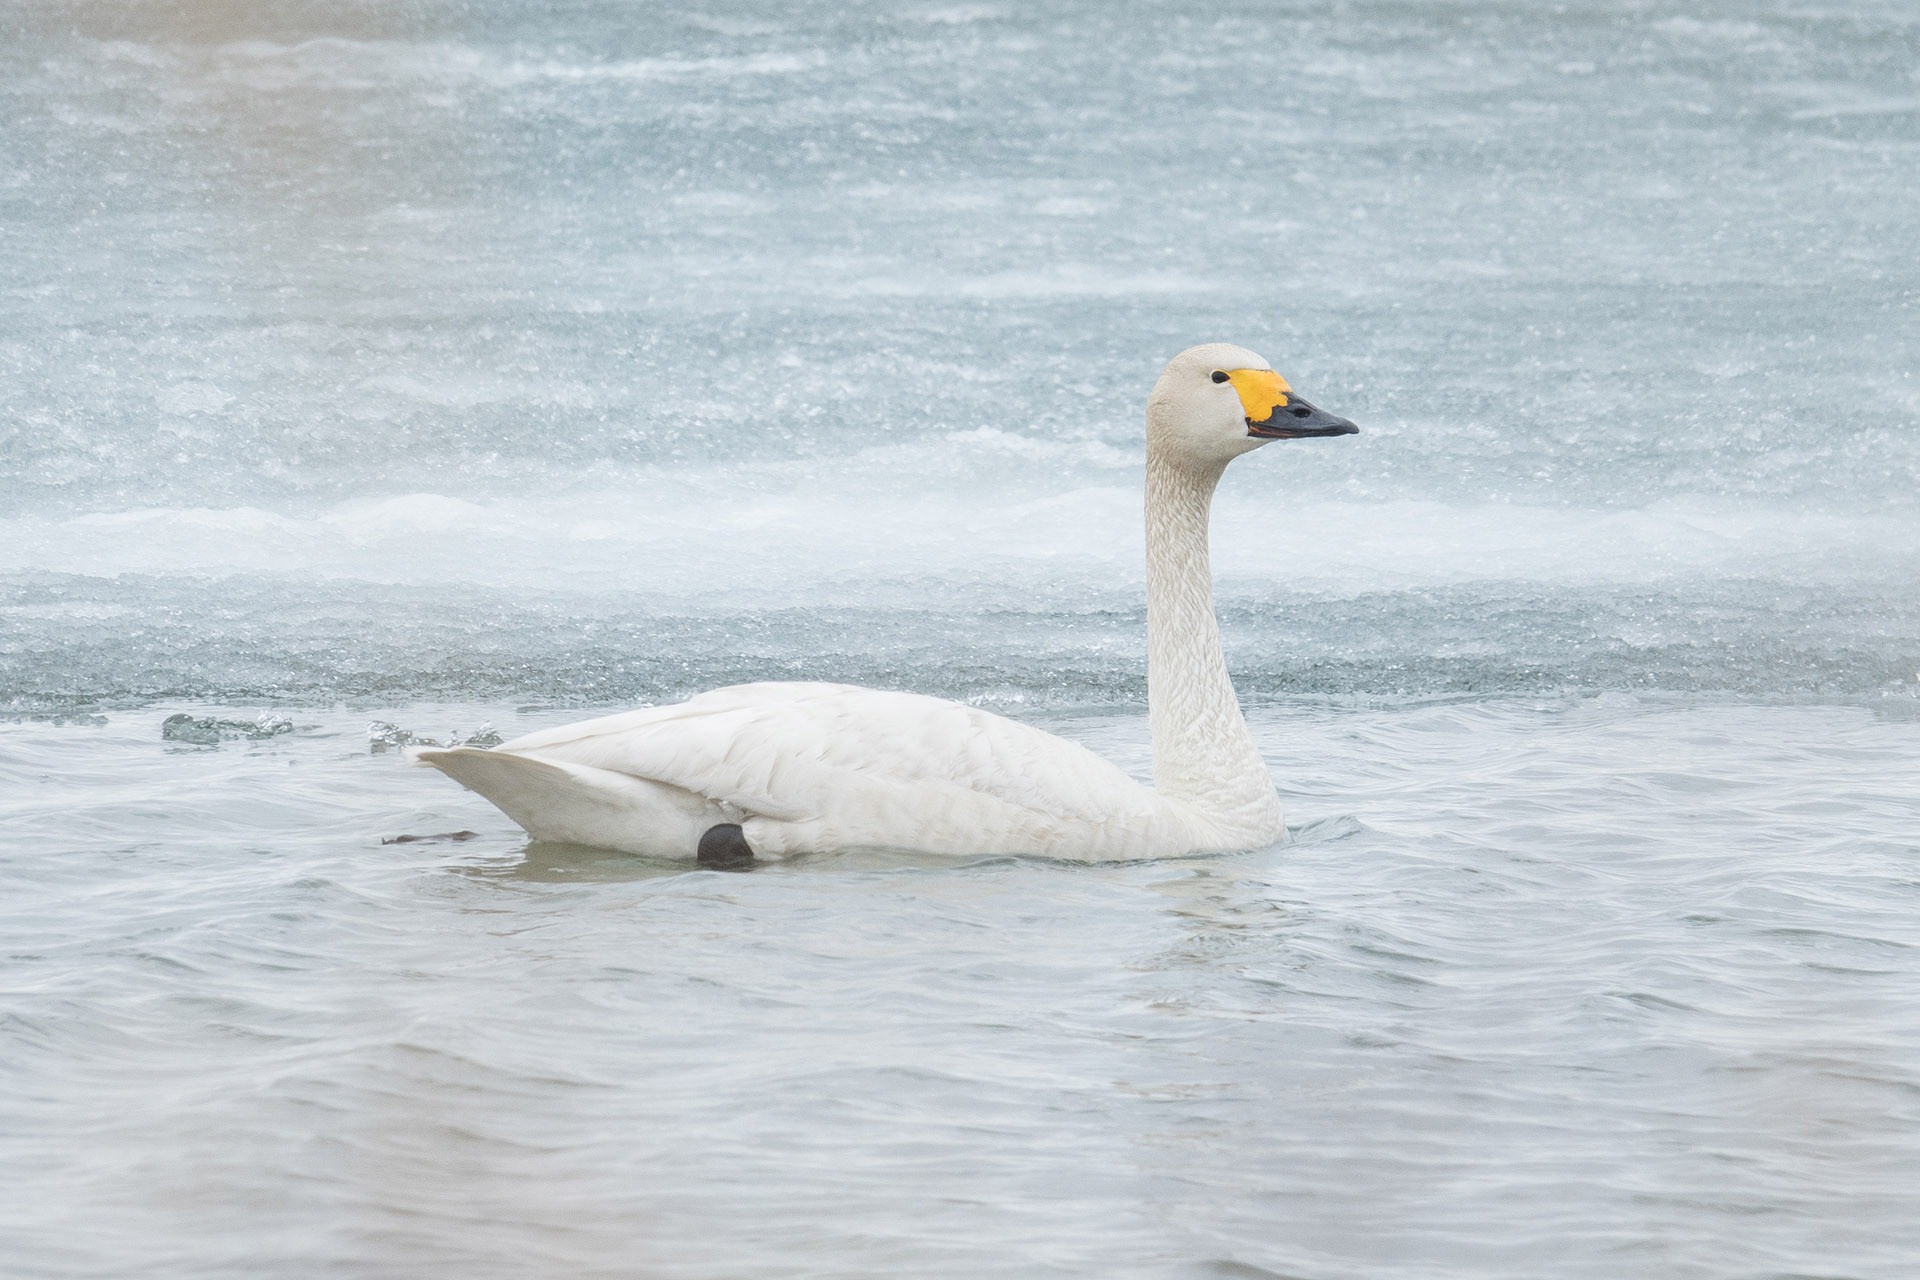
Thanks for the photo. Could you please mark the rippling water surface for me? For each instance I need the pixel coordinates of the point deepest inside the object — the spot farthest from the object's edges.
(1581, 987)
(445, 364)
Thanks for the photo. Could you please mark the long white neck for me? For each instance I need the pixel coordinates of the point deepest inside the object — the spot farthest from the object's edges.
(1203, 755)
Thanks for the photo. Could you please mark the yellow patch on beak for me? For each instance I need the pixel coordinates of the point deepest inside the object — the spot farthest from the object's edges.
(1261, 392)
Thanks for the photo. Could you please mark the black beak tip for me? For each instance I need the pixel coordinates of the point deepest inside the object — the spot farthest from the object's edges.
(1304, 431)
(1300, 420)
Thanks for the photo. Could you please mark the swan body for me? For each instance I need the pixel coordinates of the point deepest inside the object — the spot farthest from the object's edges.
(824, 766)
(807, 767)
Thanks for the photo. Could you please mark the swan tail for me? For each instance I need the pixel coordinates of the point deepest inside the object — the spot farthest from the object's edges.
(579, 804)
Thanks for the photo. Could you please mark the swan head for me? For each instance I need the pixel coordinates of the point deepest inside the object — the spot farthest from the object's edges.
(1218, 401)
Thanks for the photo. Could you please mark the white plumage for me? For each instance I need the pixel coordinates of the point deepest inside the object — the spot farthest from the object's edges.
(821, 766)
(809, 767)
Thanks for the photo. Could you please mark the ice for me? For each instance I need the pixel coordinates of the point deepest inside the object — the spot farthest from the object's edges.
(383, 736)
(436, 351)
(208, 731)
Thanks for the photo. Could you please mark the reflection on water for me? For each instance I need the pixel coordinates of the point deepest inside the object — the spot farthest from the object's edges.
(1224, 909)
(557, 863)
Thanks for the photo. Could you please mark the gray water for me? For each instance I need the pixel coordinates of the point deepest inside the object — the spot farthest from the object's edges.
(447, 365)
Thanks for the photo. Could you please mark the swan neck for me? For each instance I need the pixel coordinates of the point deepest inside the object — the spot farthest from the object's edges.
(1203, 754)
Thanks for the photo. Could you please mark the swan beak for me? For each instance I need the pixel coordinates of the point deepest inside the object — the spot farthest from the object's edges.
(1296, 420)
(1275, 412)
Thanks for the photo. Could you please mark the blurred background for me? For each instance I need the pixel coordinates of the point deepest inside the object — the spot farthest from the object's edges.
(589, 352)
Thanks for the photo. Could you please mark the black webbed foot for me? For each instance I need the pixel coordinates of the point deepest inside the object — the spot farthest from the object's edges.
(724, 848)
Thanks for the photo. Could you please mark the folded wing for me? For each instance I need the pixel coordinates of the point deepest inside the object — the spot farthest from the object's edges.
(821, 765)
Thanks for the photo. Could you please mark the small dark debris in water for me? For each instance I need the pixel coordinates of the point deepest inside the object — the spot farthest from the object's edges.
(383, 735)
(444, 835)
(207, 731)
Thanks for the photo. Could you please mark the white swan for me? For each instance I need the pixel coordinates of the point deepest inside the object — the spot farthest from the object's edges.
(775, 770)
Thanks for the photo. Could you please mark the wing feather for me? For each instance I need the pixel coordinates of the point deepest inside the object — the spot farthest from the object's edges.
(798, 752)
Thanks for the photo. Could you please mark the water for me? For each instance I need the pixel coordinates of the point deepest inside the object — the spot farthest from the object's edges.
(1580, 987)
(455, 365)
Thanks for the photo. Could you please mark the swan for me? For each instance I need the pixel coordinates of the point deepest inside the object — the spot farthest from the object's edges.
(778, 769)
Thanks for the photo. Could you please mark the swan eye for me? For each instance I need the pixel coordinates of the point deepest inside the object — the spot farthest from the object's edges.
(1219, 376)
